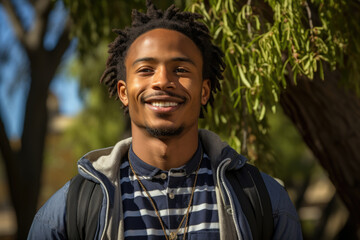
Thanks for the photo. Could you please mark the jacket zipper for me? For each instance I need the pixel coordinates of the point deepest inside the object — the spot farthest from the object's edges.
(221, 177)
(107, 198)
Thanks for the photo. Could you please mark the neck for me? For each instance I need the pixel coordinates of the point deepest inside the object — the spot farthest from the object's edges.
(165, 153)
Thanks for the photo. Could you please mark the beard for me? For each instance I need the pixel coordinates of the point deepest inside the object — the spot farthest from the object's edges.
(164, 132)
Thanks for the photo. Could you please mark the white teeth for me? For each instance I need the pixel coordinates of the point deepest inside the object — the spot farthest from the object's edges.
(164, 104)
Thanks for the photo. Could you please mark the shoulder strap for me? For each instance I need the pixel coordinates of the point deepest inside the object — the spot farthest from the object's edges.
(83, 206)
(253, 196)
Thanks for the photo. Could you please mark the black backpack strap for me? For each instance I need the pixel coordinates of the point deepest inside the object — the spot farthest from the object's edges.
(83, 206)
(254, 199)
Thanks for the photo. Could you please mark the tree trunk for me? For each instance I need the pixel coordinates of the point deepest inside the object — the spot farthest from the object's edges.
(24, 168)
(328, 118)
(33, 139)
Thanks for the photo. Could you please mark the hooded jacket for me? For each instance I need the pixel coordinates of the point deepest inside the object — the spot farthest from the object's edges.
(102, 166)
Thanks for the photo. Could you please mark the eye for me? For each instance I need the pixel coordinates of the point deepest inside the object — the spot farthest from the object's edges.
(181, 70)
(145, 70)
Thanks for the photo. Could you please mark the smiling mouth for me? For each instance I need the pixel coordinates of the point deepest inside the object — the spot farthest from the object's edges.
(164, 104)
(163, 107)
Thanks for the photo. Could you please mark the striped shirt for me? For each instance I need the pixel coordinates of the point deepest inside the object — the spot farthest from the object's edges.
(171, 192)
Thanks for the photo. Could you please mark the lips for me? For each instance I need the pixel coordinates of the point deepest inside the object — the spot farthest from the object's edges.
(163, 106)
(163, 102)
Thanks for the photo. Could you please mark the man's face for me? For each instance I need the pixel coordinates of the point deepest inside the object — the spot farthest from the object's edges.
(164, 89)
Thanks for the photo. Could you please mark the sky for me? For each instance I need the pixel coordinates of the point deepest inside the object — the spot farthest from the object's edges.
(14, 83)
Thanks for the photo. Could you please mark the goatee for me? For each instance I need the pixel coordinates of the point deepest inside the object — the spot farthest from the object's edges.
(164, 132)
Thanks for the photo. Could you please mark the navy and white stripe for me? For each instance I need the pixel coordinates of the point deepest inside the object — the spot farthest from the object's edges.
(170, 191)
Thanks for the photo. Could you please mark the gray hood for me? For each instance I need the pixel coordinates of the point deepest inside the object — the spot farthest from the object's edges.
(107, 160)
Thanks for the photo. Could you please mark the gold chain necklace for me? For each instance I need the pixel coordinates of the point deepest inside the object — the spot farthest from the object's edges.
(173, 235)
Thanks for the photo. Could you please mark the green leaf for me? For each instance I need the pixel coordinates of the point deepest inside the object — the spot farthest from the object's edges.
(256, 104)
(242, 77)
(217, 32)
(257, 23)
(307, 65)
(231, 6)
(321, 70)
(284, 66)
(275, 95)
(237, 46)
(276, 44)
(237, 101)
(273, 109)
(262, 113)
(217, 8)
(223, 119)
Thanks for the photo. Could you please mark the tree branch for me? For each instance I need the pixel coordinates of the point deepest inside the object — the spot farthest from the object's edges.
(15, 20)
(308, 10)
(249, 24)
(5, 147)
(37, 33)
(244, 124)
(10, 162)
(244, 115)
(64, 40)
(43, 8)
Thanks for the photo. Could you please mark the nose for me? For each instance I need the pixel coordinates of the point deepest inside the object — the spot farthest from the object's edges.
(162, 79)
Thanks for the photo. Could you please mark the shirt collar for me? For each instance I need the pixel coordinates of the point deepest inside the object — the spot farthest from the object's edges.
(144, 169)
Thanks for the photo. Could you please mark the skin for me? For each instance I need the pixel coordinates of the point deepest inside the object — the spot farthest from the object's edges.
(164, 90)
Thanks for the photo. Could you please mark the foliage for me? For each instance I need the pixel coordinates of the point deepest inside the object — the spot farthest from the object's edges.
(98, 126)
(94, 21)
(102, 122)
(266, 43)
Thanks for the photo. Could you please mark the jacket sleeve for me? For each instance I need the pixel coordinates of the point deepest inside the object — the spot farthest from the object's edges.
(286, 221)
(49, 221)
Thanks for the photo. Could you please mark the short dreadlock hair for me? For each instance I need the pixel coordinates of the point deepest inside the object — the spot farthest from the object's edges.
(172, 19)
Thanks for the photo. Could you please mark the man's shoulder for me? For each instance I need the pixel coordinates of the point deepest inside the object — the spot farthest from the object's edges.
(286, 220)
(50, 219)
(280, 200)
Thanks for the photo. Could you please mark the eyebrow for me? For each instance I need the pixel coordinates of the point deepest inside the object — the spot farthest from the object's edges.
(176, 59)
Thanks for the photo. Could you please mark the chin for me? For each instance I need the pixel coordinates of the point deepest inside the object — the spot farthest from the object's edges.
(161, 132)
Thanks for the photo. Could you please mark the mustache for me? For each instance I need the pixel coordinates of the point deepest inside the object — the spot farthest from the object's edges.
(161, 93)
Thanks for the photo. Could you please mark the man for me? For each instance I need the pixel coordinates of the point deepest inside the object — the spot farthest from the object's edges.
(169, 180)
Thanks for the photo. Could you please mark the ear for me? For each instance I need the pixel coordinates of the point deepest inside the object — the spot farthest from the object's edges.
(122, 93)
(205, 91)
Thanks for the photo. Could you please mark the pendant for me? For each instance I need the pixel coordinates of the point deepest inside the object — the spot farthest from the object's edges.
(173, 236)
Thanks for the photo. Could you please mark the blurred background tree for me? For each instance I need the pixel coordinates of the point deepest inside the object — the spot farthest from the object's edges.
(24, 164)
(303, 55)
(298, 56)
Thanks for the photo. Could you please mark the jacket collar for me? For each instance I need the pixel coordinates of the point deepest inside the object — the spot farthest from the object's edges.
(105, 163)
(219, 150)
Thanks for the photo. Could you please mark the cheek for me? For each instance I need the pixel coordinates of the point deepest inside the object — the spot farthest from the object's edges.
(194, 91)
(192, 87)
(135, 88)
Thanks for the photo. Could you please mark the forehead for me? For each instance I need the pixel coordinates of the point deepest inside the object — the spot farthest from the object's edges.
(161, 44)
